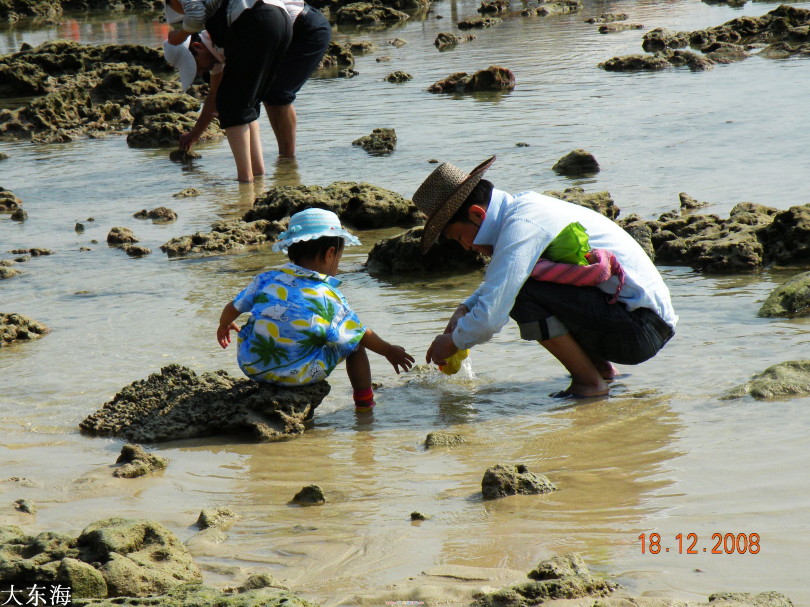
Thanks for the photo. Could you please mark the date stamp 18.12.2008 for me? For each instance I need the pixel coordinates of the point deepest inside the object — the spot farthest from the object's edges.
(690, 543)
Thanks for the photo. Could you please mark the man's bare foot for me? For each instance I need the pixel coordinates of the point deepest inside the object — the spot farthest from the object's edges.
(579, 390)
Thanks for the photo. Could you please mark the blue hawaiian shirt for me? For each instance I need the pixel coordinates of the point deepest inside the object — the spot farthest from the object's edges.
(300, 326)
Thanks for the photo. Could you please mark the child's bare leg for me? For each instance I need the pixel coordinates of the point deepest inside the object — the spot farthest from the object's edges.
(359, 372)
(605, 367)
(359, 369)
(586, 380)
(256, 155)
(239, 140)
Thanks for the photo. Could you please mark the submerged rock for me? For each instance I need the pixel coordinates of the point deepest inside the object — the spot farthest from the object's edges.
(216, 518)
(493, 6)
(137, 462)
(134, 250)
(177, 403)
(444, 439)
(402, 254)
(577, 163)
(360, 205)
(500, 481)
(447, 40)
(8, 272)
(478, 22)
(562, 7)
(16, 327)
(187, 193)
(790, 299)
(398, 77)
(25, 506)
(158, 214)
(783, 380)
(120, 235)
(614, 28)
(9, 203)
(310, 495)
(608, 18)
(337, 56)
(561, 577)
(493, 78)
(381, 142)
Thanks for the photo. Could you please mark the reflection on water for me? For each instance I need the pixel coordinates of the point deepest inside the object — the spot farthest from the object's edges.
(661, 454)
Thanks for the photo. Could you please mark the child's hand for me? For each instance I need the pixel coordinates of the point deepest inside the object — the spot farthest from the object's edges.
(224, 333)
(398, 357)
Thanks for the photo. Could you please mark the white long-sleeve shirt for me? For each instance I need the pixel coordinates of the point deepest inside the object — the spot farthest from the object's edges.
(519, 228)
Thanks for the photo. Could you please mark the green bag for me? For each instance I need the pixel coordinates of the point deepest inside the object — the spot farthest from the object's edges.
(569, 246)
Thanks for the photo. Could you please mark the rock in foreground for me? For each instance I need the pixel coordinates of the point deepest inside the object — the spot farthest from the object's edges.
(110, 558)
(561, 577)
(177, 403)
(402, 254)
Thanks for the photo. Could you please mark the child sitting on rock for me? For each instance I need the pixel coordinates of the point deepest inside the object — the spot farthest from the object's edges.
(300, 324)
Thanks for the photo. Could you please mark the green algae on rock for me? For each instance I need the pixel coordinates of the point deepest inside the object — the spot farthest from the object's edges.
(380, 142)
(493, 78)
(177, 403)
(225, 236)
(790, 299)
(443, 439)
(784, 380)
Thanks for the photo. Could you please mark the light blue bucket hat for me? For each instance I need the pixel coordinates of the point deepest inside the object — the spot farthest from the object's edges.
(312, 224)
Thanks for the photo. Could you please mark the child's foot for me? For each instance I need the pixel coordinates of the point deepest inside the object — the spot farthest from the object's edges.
(364, 400)
(364, 408)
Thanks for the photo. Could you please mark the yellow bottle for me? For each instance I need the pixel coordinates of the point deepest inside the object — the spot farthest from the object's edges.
(453, 363)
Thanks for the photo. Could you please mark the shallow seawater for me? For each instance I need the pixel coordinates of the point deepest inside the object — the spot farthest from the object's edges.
(663, 454)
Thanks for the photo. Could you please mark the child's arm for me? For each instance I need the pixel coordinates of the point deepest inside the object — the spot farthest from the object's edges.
(227, 324)
(209, 110)
(396, 355)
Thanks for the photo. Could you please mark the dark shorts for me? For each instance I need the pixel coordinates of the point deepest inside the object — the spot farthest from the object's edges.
(310, 40)
(605, 330)
(254, 46)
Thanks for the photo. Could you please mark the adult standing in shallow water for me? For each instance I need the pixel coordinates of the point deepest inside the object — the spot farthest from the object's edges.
(311, 35)
(613, 308)
(254, 35)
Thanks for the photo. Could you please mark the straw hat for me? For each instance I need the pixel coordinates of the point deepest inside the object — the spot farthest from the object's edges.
(442, 194)
(311, 224)
(179, 56)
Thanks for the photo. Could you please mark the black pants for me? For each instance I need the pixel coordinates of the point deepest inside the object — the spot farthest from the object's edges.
(602, 329)
(254, 46)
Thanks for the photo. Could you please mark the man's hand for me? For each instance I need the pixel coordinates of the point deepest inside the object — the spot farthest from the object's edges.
(460, 313)
(441, 349)
(178, 37)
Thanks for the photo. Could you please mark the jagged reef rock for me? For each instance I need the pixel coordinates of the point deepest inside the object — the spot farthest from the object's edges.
(16, 327)
(360, 205)
(381, 142)
(790, 299)
(9, 203)
(402, 254)
(601, 202)
(159, 120)
(785, 30)
(177, 403)
(369, 14)
(563, 7)
(78, 90)
(225, 236)
(784, 380)
(478, 22)
(493, 78)
(337, 56)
